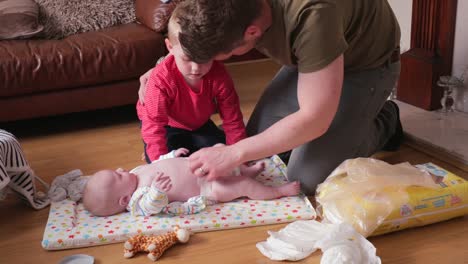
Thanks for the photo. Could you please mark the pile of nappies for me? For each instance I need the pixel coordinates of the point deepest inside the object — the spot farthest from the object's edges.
(376, 197)
(340, 243)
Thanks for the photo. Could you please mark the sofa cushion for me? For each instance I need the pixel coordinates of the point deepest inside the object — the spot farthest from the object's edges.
(63, 18)
(114, 54)
(154, 14)
(19, 19)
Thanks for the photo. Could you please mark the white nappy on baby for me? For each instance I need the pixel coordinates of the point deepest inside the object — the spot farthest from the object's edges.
(206, 186)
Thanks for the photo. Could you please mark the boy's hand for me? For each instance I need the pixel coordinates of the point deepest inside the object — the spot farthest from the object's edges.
(181, 152)
(162, 182)
(142, 91)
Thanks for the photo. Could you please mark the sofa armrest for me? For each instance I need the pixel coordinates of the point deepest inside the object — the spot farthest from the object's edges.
(154, 14)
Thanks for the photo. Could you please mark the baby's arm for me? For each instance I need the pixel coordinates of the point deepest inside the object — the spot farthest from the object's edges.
(155, 199)
(173, 154)
(180, 152)
(192, 206)
(229, 106)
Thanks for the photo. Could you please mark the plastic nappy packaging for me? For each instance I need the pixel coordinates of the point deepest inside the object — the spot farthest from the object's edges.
(376, 197)
(427, 206)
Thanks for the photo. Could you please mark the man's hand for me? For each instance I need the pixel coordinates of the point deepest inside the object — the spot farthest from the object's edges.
(142, 91)
(214, 162)
(181, 152)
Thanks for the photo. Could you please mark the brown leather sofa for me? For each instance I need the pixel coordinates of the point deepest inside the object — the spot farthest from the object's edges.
(82, 72)
(87, 71)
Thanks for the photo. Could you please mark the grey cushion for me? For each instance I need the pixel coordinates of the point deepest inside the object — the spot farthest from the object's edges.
(19, 19)
(62, 18)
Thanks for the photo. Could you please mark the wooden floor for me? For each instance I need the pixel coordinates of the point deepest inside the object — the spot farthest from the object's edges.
(110, 139)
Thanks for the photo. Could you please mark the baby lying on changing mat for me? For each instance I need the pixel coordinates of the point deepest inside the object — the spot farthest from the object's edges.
(168, 186)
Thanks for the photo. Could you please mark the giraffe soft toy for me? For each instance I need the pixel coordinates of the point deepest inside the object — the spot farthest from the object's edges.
(155, 245)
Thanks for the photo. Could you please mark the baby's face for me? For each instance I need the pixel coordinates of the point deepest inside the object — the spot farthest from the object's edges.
(108, 192)
(116, 183)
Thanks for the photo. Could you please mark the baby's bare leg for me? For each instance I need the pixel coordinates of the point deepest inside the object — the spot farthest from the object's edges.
(252, 170)
(228, 189)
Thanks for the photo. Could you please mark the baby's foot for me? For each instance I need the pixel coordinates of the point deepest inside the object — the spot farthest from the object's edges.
(290, 189)
(253, 170)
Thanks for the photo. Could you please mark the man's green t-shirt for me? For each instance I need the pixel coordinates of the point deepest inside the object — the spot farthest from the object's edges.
(312, 33)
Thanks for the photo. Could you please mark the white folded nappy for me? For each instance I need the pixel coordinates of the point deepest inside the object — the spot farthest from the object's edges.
(340, 243)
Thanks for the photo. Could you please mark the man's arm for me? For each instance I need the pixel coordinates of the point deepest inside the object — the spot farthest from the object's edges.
(318, 97)
(143, 80)
(154, 116)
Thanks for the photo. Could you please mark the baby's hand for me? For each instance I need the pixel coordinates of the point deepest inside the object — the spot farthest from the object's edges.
(162, 182)
(181, 152)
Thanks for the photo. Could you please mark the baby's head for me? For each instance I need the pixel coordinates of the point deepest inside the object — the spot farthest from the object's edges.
(108, 192)
(191, 70)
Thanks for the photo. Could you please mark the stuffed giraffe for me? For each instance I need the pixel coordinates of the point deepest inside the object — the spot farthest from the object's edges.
(155, 245)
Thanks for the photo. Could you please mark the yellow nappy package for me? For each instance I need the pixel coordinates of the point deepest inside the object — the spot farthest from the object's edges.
(426, 206)
(377, 198)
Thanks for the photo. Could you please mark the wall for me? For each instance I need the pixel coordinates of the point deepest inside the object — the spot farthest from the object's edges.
(460, 54)
(403, 9)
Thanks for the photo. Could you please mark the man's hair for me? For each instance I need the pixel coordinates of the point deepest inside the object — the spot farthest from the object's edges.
(211, 27)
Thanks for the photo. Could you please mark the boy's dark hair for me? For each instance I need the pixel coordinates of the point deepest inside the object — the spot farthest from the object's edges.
(211, 27)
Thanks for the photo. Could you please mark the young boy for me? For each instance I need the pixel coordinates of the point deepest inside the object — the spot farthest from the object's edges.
(168, 186)
(181, 96)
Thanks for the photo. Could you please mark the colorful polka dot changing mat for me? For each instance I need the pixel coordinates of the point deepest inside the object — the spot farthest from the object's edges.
(71, 226)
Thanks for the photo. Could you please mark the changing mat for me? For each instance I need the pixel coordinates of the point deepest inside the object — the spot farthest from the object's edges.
(71, 226)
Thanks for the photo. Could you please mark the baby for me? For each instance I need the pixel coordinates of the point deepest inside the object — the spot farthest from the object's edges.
(168, 186)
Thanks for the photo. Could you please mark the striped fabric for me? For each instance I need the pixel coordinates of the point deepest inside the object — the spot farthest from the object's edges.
(15, 172)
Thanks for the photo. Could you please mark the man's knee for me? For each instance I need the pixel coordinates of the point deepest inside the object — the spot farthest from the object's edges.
(309, 173)
(309, 181)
